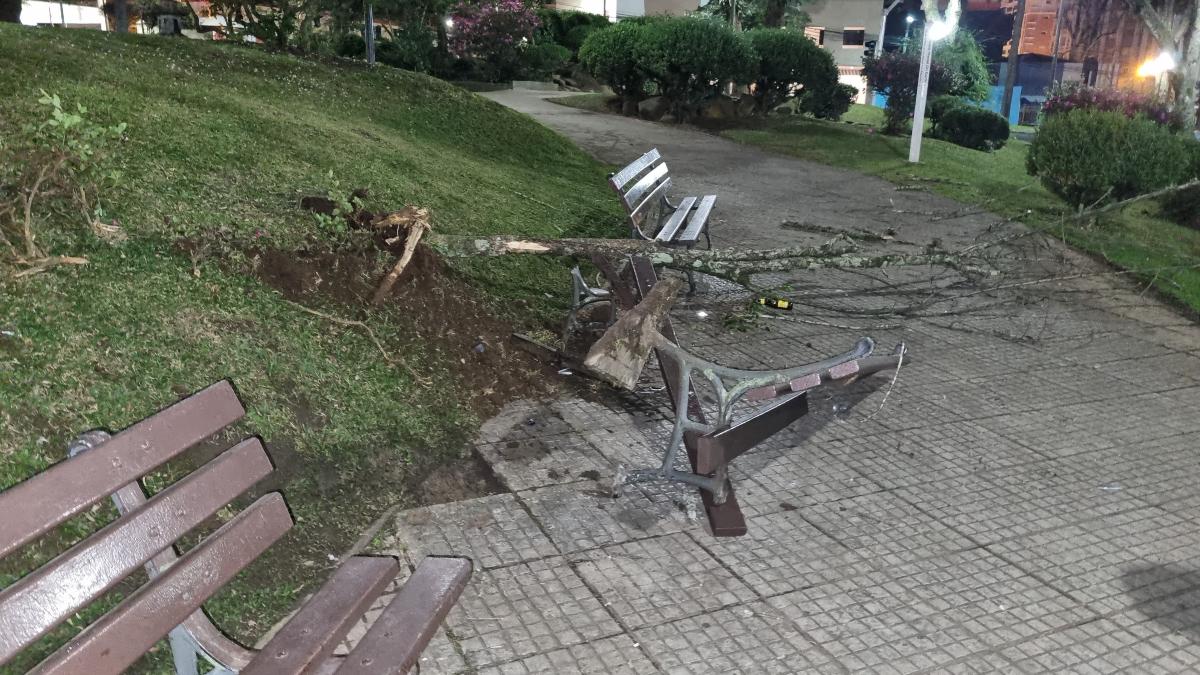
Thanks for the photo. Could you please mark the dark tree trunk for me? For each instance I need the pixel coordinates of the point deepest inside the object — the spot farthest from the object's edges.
(774, 14)
(10, 11)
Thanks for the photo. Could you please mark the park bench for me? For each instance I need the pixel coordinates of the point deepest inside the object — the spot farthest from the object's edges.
(170, 602)
(642, 187)
(712, 444)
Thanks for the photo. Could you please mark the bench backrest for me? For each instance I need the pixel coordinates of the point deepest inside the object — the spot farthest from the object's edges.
(641, 185)
(52, 594)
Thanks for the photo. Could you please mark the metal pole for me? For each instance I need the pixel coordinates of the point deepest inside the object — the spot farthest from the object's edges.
(370, 35)
(1014, 60)
(918, 124)
(883, 27)
(1057, 41)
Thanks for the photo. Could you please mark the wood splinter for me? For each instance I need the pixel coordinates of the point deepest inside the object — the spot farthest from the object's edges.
(417, 224)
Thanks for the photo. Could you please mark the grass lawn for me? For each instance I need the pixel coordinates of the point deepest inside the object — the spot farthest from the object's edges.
(1137, 238)
(222, 141)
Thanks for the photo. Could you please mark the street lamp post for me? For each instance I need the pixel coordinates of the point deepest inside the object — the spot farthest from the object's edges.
(934, 30)
(883, 27)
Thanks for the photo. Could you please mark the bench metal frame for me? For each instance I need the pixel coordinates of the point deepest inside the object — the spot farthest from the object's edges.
(711, 446)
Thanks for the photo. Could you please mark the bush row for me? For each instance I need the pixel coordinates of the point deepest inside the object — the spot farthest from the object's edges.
(493, 40)
(689, 60)
(1090, 157)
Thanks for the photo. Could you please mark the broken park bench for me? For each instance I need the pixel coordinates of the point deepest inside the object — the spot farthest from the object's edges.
(710, 443)
(170, 602)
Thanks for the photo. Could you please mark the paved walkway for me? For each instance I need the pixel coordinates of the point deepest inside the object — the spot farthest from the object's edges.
(1024, 500)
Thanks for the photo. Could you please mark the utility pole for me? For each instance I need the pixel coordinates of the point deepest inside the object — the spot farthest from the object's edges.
(370, 35)
(1014, 60)
(883, 27)
(1058, 17)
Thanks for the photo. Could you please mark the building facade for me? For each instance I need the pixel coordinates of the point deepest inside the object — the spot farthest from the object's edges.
(843, 28)
(1103, 49)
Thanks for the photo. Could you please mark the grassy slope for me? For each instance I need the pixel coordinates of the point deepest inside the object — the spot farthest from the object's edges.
(222, 140)
(1134, 239)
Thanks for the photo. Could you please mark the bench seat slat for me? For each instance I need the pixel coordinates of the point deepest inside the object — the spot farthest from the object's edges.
(713, 450)
(698, 219)
(620, 178)
(309, 638)
(39, 504)
(119, 638)
(63, 586)
(651, 199)
(644, 185)
(671, 227)
(394, 642)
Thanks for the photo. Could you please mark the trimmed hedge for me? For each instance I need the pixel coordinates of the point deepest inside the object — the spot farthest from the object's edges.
(787, 62)
(1183, 207)
(569, 28)
(610, 55)
(973, 127)
(1091, 156)
(689, 59)
(940, 105)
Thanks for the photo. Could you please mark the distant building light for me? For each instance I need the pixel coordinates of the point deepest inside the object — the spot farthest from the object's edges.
(1157, 66)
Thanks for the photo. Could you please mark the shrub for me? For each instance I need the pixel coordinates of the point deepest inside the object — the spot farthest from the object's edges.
(828, 103)
(1128, 103)
(53, 173)
(1183, 207)
(493, 33)
(940, 105)
(568, 28)
(787, 62)
(973, 127)
(410, 47)
(610, 55)
(1092, 156)
(351, 45)
(895, 75)
(543, 59)
(689, 59)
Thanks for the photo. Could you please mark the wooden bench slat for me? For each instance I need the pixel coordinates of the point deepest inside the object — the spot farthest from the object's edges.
(309, 638)
(394, 643)
(644, 185)
(620, 178)
(699, 218)
(713, 450)
(667, 233)
(637, 213)
(123, 635)
(37, 603)
(39, 504)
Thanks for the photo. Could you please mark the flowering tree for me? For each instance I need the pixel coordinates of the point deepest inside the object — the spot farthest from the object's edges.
(493, 33)
(895, 75)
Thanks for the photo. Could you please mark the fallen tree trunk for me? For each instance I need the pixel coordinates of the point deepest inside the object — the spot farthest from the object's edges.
(733, 263)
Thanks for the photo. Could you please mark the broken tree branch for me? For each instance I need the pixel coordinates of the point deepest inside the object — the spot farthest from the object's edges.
(732, 263)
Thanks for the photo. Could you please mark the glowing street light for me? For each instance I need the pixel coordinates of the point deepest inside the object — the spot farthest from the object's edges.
(935, 29)
(1164, 62)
